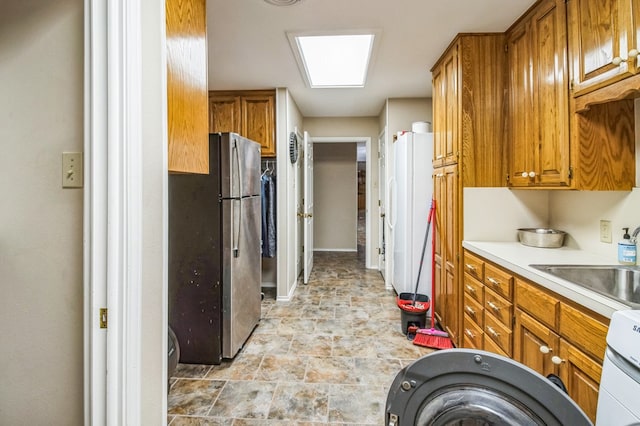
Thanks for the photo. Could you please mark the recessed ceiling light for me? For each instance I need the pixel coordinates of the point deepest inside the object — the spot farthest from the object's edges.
(283, 2)
(333, 60)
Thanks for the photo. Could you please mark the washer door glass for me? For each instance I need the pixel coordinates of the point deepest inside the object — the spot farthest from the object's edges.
(474, 405)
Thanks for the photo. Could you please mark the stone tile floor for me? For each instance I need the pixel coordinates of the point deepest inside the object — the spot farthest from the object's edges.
(327, 357)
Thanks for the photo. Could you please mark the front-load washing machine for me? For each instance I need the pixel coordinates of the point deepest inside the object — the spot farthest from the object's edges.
(471, 387)
(620, 382)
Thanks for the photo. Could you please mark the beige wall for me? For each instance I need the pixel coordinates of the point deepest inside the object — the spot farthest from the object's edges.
(402, 112)
(335, 197)
(355, 127)
(41, 112)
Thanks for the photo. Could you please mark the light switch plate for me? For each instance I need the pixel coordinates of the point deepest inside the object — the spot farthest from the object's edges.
(72, 170)
(605, 231)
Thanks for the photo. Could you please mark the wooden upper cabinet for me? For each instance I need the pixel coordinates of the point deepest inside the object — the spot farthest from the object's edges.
(224, 114)
(602, 33)
(258, 120)
(538, 124)
(468, 108)
(248, 113)
(187, 110)
(446, 107)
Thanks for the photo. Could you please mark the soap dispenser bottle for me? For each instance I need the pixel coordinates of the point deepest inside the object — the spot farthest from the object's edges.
(627, 250)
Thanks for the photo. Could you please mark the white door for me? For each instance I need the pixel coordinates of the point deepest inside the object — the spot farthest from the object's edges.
(382, 179)
(308, 206)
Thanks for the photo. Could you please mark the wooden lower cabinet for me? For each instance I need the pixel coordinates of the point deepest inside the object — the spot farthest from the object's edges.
(535, 326)
(534, 344)
(581, 375)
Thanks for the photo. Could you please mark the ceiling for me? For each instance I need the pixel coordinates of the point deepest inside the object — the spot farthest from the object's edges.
(249, 49)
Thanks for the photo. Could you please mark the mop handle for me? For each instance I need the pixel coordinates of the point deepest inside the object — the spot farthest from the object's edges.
(424, 248)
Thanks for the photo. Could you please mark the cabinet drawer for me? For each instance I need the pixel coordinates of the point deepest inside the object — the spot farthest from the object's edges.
(473, 266)
(584, 331)
(498, 307)
(491, 346)
(498, 332)
(474, 289)
(473, 309)
(472, 334)
(498, 280)
(538, 303)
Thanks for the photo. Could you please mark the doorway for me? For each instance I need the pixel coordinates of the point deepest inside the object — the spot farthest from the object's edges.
(367, 178)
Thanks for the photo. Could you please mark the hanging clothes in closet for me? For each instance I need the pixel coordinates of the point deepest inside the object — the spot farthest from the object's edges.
(268, 190)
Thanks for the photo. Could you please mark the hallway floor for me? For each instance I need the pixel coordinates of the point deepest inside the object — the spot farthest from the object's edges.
(325, 358)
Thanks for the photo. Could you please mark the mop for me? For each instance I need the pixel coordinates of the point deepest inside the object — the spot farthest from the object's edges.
(432, 337)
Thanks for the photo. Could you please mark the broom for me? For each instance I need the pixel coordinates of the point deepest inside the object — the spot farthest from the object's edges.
(433, 338)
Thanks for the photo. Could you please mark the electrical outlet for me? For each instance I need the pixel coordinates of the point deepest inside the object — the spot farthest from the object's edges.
(605, 231)
(72, 170)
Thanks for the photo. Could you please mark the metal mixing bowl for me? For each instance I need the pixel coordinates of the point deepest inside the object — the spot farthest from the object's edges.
(541, 237)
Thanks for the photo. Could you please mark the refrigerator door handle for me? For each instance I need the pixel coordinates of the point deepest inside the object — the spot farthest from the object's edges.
(236, 232)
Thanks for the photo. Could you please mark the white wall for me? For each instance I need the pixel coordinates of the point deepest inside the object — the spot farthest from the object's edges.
(153, 362)
(288, 117)
(41, 315)
(335, 197)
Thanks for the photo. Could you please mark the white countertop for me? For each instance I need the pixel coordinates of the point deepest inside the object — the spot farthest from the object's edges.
(517, 258)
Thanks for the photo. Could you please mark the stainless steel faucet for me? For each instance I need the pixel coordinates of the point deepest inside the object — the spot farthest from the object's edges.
(634, 234)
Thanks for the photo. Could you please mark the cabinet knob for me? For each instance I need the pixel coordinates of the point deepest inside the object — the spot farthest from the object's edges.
(616, 61)
(470, 310)
(633, 53)
(470, 289)
(532, 174)
(493, 306)
(469, 333)
(493, 281)
(557, 360)
(525, 174)
(470, 267)
(493, 332)
(545, 349)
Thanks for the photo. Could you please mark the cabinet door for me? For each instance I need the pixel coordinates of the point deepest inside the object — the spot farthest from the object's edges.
(439, 116)
(258, 121)
(439, 192)
(551, 94)
(600, 30)
(634, 35)
(581, 375)
(520, 136)
(224, 114)
(450, 214)
(530, 341)
(451, 139)
(188, 138)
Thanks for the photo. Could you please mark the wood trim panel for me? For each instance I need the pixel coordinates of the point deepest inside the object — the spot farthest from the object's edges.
(543, 306)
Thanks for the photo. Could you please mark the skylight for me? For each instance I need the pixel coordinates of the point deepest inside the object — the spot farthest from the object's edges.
(335, 60)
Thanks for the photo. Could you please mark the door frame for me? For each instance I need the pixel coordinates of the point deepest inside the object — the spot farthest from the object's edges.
(369, 263)
(114, 243)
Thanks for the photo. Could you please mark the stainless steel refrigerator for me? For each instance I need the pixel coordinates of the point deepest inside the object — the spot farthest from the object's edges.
(214, 251)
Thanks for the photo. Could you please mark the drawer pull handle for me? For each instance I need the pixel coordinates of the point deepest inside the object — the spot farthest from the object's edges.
(470, 267)
(545, 349)
(493, 332)
(557, 360)
(493, 281)
(470, 289)
(469, 333)
(493, 306)
(470, 310)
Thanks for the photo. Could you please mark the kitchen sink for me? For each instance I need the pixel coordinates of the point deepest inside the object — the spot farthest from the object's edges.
(616, 281)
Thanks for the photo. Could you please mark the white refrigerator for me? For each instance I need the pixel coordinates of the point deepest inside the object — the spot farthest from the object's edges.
(412, 191)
